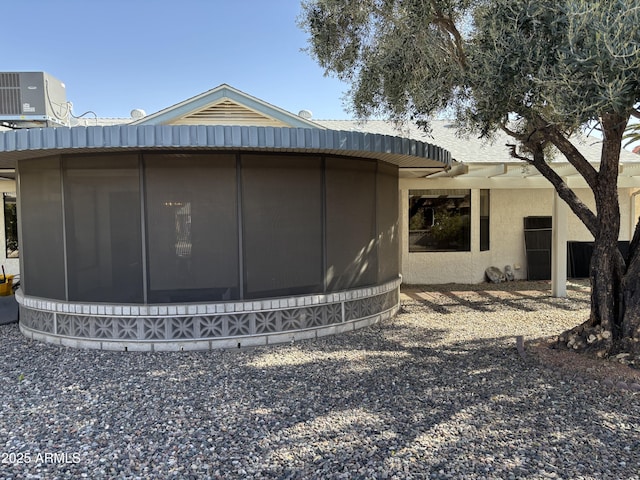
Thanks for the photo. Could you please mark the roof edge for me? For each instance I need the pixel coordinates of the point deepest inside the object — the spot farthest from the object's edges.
(18, 144)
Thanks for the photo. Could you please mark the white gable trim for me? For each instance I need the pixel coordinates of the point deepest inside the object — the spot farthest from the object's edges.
(221, 93)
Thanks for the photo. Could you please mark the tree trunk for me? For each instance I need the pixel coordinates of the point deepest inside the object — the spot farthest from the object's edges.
(614, 321)
(601, 332)
(615, 284)
(605, 279)
(607, 264)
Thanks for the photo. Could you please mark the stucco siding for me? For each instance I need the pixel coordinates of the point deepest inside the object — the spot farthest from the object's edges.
(424, 268)
(634, 207)
(507, 246)
(508, 209)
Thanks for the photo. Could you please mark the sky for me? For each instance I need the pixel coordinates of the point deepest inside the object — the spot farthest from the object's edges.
(118, 55)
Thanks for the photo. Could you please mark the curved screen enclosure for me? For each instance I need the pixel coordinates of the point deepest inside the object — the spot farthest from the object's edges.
(165, 247)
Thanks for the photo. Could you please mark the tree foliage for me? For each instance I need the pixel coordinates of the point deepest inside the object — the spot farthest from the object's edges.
(389, 51)
(540, 70)
(574, 59)
(570, 62)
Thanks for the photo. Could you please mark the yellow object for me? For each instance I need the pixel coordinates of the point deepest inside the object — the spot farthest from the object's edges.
(6, 287)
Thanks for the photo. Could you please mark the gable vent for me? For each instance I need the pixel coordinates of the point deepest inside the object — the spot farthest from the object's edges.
(227, 112)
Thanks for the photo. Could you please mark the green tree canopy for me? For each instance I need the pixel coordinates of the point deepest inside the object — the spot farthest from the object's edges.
(538, 69)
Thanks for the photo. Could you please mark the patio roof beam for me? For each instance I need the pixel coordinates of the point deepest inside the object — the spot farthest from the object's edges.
(455, 171)
(629, 170)
(489, 171)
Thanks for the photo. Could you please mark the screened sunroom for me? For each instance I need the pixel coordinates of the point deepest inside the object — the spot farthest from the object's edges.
(145, 237)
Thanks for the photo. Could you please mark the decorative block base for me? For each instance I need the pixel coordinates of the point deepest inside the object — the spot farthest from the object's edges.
(190, 326)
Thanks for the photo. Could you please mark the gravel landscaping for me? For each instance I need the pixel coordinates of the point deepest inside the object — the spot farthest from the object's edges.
(440, 391)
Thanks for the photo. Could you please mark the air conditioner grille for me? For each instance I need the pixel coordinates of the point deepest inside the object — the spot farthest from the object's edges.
(10, 94)
(9, 80)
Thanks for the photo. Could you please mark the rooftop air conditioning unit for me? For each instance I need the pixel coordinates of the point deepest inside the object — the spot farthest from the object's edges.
(32, 99)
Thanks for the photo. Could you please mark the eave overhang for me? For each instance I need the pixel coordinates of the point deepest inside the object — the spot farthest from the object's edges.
(508, 175)
(34, 143)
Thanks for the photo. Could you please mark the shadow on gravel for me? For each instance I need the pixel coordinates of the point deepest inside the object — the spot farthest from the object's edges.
(395, 400)
(433, 306)
(486, 297)
(551, 302)
(502, 300)
(475, 303)
(469, 408)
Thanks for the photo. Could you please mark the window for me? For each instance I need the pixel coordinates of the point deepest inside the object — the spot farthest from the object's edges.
(439, 220)
(11, 225)
(484, 220)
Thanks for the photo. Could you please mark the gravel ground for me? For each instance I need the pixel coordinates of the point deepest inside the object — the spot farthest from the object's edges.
(439, 391)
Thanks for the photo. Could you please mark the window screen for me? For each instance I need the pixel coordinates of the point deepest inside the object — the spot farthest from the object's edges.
(351, 223)
(102, 216)
(282, 212)
(387, 222)
(192, 227)
(42, 241)
(485, 208)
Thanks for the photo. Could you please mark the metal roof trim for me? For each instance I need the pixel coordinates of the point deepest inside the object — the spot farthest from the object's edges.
(122, 137)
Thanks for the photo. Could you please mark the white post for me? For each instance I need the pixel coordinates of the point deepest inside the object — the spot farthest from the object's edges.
(559, 247)
(633, 215)
(403, 227)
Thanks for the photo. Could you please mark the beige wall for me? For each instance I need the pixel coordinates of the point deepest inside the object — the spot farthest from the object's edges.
(508, 209)
(635, 210)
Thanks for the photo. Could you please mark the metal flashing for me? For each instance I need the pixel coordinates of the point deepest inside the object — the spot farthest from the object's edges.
(33, 143)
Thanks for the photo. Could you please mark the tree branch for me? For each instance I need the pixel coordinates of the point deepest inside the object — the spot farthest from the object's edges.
(570, 152)
(450, 28)
(564, 192)
(446, 23)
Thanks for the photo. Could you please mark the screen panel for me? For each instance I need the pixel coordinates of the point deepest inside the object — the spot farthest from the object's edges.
(192, 227)
(387, 205)
(42, 239)
(103, 229)
(351, 223)
(282, 213)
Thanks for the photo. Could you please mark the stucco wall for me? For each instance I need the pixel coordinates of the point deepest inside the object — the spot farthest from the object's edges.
(635, 209)
(508, 209)
(576, 230)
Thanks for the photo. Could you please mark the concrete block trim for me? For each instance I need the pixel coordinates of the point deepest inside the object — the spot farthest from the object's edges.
(205, 326)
